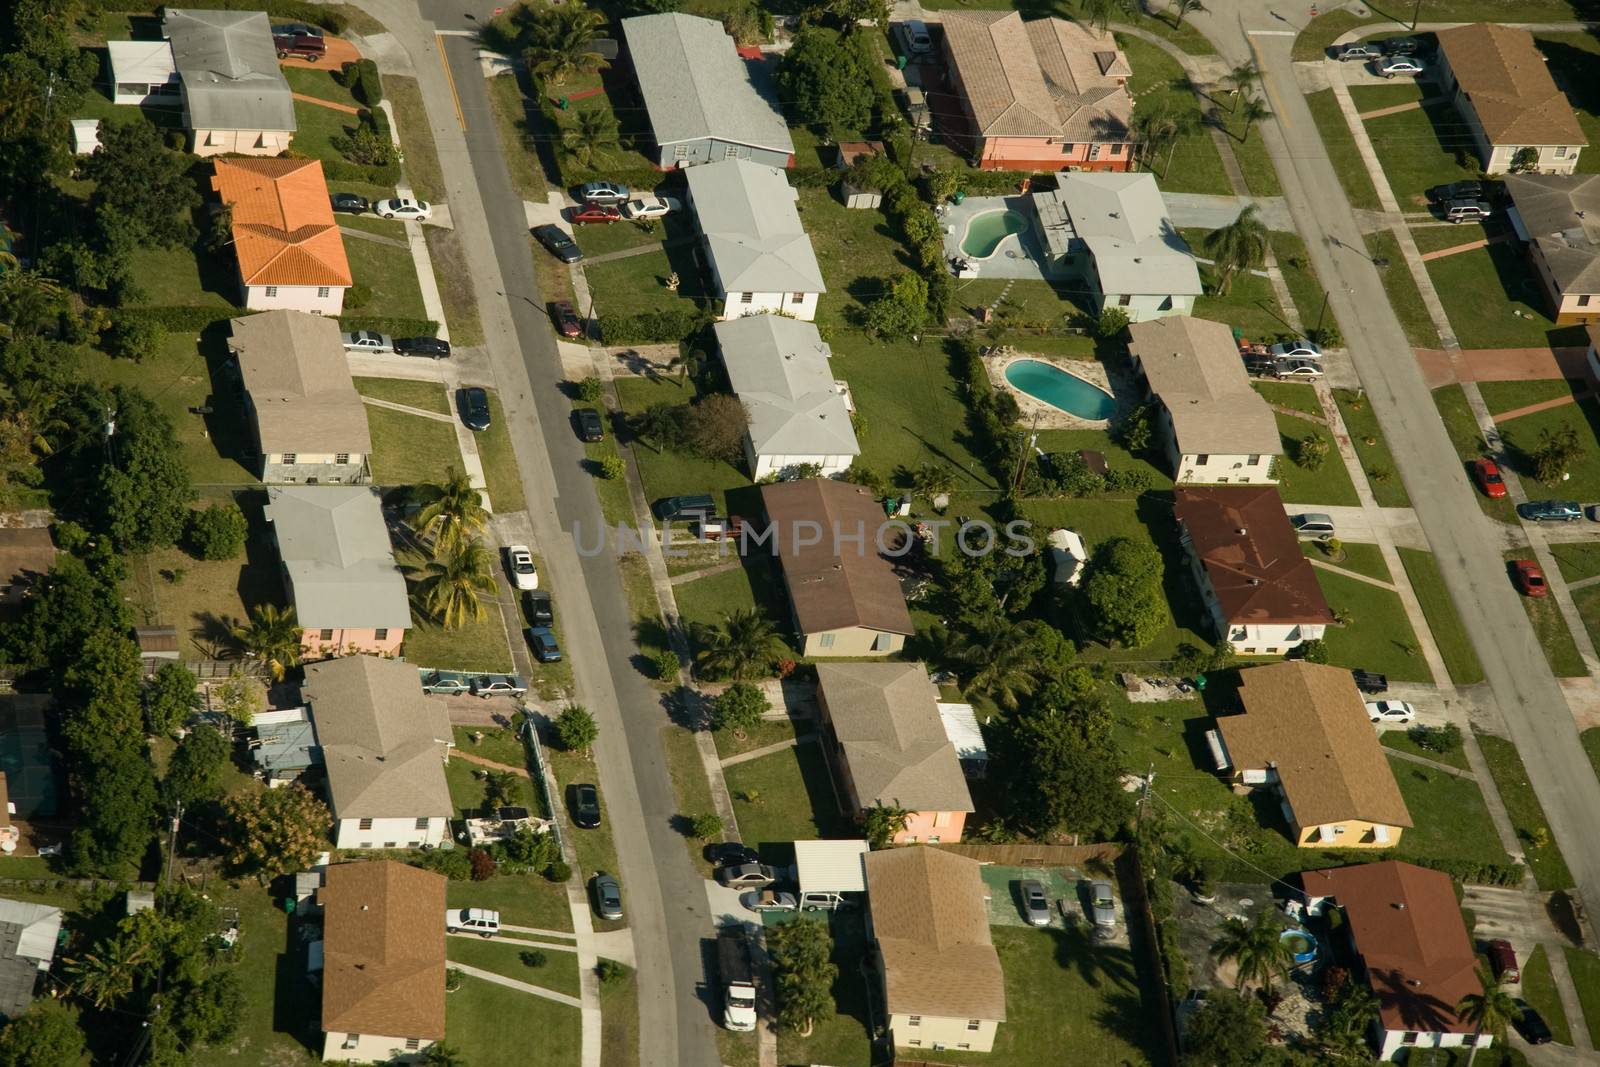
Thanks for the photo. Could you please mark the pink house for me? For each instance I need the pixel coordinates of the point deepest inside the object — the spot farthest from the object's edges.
(882, 727)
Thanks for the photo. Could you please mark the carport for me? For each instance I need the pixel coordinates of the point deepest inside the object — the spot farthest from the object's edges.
(826, 870)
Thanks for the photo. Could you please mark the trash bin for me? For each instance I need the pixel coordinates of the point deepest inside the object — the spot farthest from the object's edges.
(563, 103)
(959, 196)
(901, 61)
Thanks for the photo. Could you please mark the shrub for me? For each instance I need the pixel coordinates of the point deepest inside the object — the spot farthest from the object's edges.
(1311, 450)
(705, 826)
(740, 707)
(366, 147)
(591, 390)
(612, 468)
(1112, 321)
(558, 871)
(357, 297)
(610, 972)
(1315, 651)
(394, 327)
(450, 862)
(533, 958)
(218, 532)
(661, 326)
(665, 664)
(180, 319)
(1446, 738)
(576, 728)
(132, 337)
(483, 865)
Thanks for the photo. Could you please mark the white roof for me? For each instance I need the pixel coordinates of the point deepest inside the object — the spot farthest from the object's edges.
(40, 927)
(752, 229)
(85, 136)
(1068, 553)
(831, 866)
(961, 727)
(779, 368)
(1122, 220)
(149, 62)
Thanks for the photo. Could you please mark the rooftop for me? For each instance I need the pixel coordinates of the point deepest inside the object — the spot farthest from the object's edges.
(1121, 220)
(1504, 75)
(28, 935)
(335, 549)
(383, 950)
(298, 378)
(26, 554)
(1560, 214)
(1251, 555)
(831, 866)
(1193, 367)
(284, 232)
(229, 67)
(779, 369)
(752, 231)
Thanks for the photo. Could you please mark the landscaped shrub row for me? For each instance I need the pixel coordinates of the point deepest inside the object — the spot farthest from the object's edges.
(991, 415)
(180, 319)
(663, 326)
(337, 170)
(394, 327)
(287, 10)
(361, 78)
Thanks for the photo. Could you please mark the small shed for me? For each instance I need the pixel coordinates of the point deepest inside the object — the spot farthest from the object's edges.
(961, 727)
(157, 642)
(85, 136)
(144, 72)
(849, 152)
(138, 900)
(285, 744)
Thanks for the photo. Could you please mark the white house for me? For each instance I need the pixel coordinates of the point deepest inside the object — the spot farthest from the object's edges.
(144, 73)
(760, 257)
(235, 97)
(285, 239)
(798, 413)
(1501, 86)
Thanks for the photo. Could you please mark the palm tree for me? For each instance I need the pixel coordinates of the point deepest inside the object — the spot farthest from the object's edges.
(1158, 127)
(561, 43)
(1252, 112)
(1239, 246)
(594, 134)
(1004, 668)
(934, 480)
(1185, 7)
(448, 586)
(107, 974)
(1244, 76)
(454, 513)
(498, 788)
(1099, 13)
(1256, 949)
(660, 424)
(272, 638)
(1488, 1011)
(743, 646)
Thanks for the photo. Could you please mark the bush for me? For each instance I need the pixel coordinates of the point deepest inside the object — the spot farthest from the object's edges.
(612, 468)
(394, 327)
(361, 78)
(450, 862)
(662, 326)
(740, 707)
(367, 147)
(610, 972)
(666, 665)
(279, 10)
(591, 390)
(1311, 451)
(576, 728)
(1446, 738)
(357, 297)
(705, 826)
(1112, 321)
(218, 532)
(132, 337)
(482, 864)
(533, 958)
(1315, 651)
(558, 871)
(180, 319)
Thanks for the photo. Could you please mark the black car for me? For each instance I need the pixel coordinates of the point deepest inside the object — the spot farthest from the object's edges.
(350, 203)
(1370, 683)
(542, 642)
(296, 29)
(473, 404)
(1531, 1025)
(1443, 194)
(423, 346)
(557, 242)
(585, 806)
(590, 427)
(680, 508)
(538, 606)
(730, 854)
(1400, 46)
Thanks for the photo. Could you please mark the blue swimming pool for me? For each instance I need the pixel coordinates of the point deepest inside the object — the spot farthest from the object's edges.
(1054, 386)
(986, 231)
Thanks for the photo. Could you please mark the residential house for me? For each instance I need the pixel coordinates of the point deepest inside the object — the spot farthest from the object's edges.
(1217, 428)
(1040, 94)
(884, 732)
(307, 421)
(144, 73)
(1260, 591)
(760, 257)
(798, 413)
(1404, 927)
(943, 987)
(384, 745)
(383, 971)
(1112, 232)
(28, 936)
(1497, 78)
(26, 555)
(705, 101)
(339, 569)
(833, 546)
(235, 98)
(285, 240)
(1304, 732)
(1558, 217)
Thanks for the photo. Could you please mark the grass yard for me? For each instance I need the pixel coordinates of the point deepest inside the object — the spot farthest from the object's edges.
(669, 473)
(1296, 395)
(455, 286)
(479, 645)
(502, 478)
(490, 1023)
(1343, 156)
(1315, 40)
(1378, 634)
(278, 1011)
(1195, 166)
(1482, 288)
(1550, 628)
(1363, 559)
(1462, 426)
(391, 274)
(1579, 560)
(511, 117)
(467, 784)
(637, 284)
(1455, 647)
(317, 126)
(1249, 304)
(320, 84)
(521, 899)
(204, 599)
(1501, 397)
(1401, 741)
(409, 449)
(1250, 152)
(619, 1021)
(425, 396)
(595, 849)
(1404, 296)
(498, 743)
(616, 503)
(689, 783)
(1295, 264)
(559, 972)
(707, 601)
(1419, 148)
(769, 732)
(175, 277)
(1587, 601)
(859, 254)
(1539, 990)
(416, 136)
(1328, 484)
(599, 238)
(1117, 457)
(1549, 867)
(1366, 436)
(839, 1039)
(1523, 434)
(784, 797)
(1585, 968)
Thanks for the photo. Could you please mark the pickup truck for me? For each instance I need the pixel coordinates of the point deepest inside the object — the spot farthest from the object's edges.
(738, 985)
(1368, 682)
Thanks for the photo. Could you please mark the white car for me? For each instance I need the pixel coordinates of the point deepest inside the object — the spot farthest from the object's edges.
(1299, 348)
(480, 921)
(523, 573)
(1398, 65)
(414, 210)
(367, 341)
(650, 207)
(1395, 711)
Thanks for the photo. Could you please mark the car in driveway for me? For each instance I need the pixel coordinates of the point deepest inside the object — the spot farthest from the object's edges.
(1035, 904)
(558, 243)
(1400, 46)
(1390, 711)
(350, 203)
(481, 921)
(607, 896)
(1530, 1024)
(367, 341)
(1297, 368)
(519, 564)
(764, 900)
(1312, 524)
(1298, 348)
(402, 208)
(651, 207)
(589, 424)
(1260, 366)
(602, 192)
(1395, 66)
(472, 402)
(298, 45)
(1550, 511)
(1486, 475)
(746, 876)
(1528, 578)
(730, 854)
(432, 347)
(1102, 905)
(684, 508)
(490, 685)
(542, 643)
(592, 213)
(538, 607)
(564, 317)
(914, 37)
(585, 805)
(445, 684)
(1503, 958)
(1459, 211)
(1442, 194)
(1362, 50)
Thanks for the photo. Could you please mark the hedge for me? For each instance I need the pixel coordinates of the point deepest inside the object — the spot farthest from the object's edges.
(286, 10)
(339, 170)
(394, 327)
(181, 319)
(668, 325)
(361, 78)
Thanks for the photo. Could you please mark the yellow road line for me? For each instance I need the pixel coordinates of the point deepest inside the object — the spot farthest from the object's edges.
(1266, 87)
(450, 80)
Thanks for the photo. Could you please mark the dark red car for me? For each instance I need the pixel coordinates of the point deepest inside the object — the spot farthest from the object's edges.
(566, 319)
(597, 213)
(1528, 577)
(1486, 472)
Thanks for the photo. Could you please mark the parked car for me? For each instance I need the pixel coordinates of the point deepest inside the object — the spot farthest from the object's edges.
(1356, 50)
(730, 854)
(915, 38)
(480, 921)
(1102, 905)
(1441, 194)
(299, 45)
(1486, 473)
(472, 402)
(1528, 578)
(651, 207)
(436, 347)
(367, 341)
(488, 685)
(746, 876)
(446, 684)
(565, 318)
(539, 607)
(764, 900)
(1592, 512)
(1370, 682)
(350, 203)
(519, 564)
(1394, 66)
(585, 806)
(589, 213)
(677, 508)
(1550, 511)
(542, 643)
(1400, 46)
(1503, 958)
(589, 424)
(1312, 524)
(1530, 1024)
(607, 896)
(297, 28)
(1299, 348)
(1390, 711)
(603, 192)
(558, 243)
(1459, 211)
(1297, 368)
(1035, 904)
(1260, 366)
(400, 208)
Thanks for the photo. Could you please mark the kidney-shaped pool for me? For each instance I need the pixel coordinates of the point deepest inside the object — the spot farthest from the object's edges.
(1054, 386)
(986, 231)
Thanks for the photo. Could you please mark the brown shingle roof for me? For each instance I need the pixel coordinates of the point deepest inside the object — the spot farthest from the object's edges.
(26, 555)
(1251, 555)
(298, 377)
(383, 950)
(842, 580)
(932, 927)
(1407, 927)
(1560, 214)
(284, 232)
(1309, 723)
(1193, 367)
(1504, 75)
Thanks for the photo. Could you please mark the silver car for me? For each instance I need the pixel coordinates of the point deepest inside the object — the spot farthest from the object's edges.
(1035, 904)
(1102, 905)
(367, 341)
(607, 896)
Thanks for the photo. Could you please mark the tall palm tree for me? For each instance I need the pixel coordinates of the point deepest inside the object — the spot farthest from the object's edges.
(1256, 949)
(594, 134)
(561, 43)
(272, 637)
(106, 975)
(1186, 7)
(1244, 76)
(1239, 246)
(454, 512)
(1252, 111)
(743, 646)
(1487, 1012)
(448, 585)
(1099, 13)
(1158, 126)
(1002, 663)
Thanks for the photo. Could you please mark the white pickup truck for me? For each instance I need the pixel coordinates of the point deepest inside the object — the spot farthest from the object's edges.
(738, 988)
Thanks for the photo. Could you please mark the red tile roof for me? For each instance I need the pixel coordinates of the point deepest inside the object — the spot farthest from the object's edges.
(284, 232)
(1251, 555)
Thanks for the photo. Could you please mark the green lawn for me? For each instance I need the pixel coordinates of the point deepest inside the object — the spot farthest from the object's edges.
(1328, 484)
(511, 120)
(619, 1021)
(1343, 156)
(317, 126)
(1549, 867)
(1587, 601)
(792, 797)
(637, 284)
(599, 238)
(498, 743)
(1436, 237)
(1501, 397)
(839, 1039)
(707, 601)
(1523, 434)
(391, 274)
(502, 478)
(769, 732)
(595, 848)
(1249, 304)
(1443, 619)
(1296, 395)
(320, 84)
(1250, 152)
(522, 900)
(558, 973)
(1404, 296)
(1305, 289)
(1401, 741)
(859, 254)
(1459, 423)
(174, 277)
(1375, 639)
(422, 157)
(426, 396)
(450, 270)
(1418, 148)
(1354, 556)
(616, 503)
(1579, 560)
(1366, 436)
(1326, 28)
(489, 1023)
(479, 645)
(1585, 968)
(277, 1013)
(1195, 165)
(671, 473)
(409, 449)
(1480, 290)
(466, 780)
(1550, 627)
(204, 598)
(1539, 990)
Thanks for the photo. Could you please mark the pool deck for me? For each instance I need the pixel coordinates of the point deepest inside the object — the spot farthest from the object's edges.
(1018, 255)
(1046, 416)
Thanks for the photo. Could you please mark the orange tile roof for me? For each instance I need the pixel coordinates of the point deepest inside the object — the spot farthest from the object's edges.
(284, 232)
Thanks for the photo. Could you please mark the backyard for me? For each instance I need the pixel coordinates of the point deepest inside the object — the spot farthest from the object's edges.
(785, 796)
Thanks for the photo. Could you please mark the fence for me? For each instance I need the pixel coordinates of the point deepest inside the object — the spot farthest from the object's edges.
(530, 738)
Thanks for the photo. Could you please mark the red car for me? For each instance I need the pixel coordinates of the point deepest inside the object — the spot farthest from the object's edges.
(1528, 577)
(1486, 472)
(597, 213)
(566, 318)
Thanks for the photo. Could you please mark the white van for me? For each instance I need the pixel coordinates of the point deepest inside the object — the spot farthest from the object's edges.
(480, 921)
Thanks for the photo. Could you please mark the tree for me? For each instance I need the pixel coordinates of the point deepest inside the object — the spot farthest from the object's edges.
(902, 310)
(46, 1035)
(274, 832)
(1256, 948)
(168, 698)
(194, 773)
(1251, 112)
(239, 697)
(612, 468)
(827, 81)
(454, 511)
(106, 974)
(1487, 1012)
(1244, 77)
(443, 1054)
(1123, 589)
(744, 645)
(1137, 429)
(594, 132)
(1343, 1028)
(77, 599)
(272, 639)
(591, 390)
(881, 823)
(139, 178)
(1158, 126)
(218, 532)
(1058, 778)
(1239, 246)
(739, 708)
(803, 972)
(1525, 161)
(1557, 451)
(560, 42)
(1112, 321)
(132, 338)
(576, 728)
(1311, 450)
(705, 826)
(716, 426)
(448, 586)
(19, 463)
(1099, 13)
(144, 489)
(1227, 1031)
(1314, 651)
(1186, 7)
(996, 660)
(934, 480)
(662, 425)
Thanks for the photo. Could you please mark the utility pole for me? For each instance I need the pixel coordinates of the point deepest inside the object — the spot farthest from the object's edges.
(1321, 313)
(1415, 10)
(1027, 451)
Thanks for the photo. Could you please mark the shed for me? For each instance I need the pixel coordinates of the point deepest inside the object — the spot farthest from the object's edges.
(157, 642)
(85, 136)
(285, 744)
(961, 727)
(857, 197)
(138, 900)
(831, 866)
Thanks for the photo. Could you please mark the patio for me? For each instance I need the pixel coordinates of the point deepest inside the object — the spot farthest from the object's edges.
(1014, 255)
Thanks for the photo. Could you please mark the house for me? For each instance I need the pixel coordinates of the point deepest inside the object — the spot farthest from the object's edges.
(799, 415)
(1558, 217)
(1304, 732)
(144, 74)
(1040, 94)
(235, 98)
(1217, 428)
(307, 421)
(943, 987)
(1112, 232)
(1405, 929)
(1260, 591)
(760, 257)
(28, 936)
(383, 745)
(339, 569)
(882, 725)
(285, 745)
(705, 101)
(285, 240)
(1497, 78)
(383, 961)
(26, 555)
(831, 541)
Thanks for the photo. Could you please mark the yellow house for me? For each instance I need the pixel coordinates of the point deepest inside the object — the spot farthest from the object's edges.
(1305, 732)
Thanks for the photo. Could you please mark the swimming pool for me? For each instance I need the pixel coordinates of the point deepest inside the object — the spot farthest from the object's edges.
(1054, 386)
(986, 231)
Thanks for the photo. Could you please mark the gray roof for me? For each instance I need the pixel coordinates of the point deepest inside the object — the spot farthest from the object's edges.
(298, 377)
(336, 552)
(28, 935)
(383, 740)
(753, 233)
(779, 368)
(696, 86)
(1194, 369)
(286, 745)
(1122, 221)
(1560, 214)
(229, 67)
